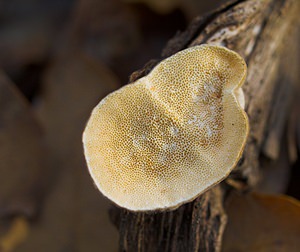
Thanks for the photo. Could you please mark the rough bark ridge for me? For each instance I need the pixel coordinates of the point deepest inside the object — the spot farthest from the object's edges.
(265, 33)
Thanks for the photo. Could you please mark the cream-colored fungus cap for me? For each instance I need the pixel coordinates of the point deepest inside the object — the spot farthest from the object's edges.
(163, 140)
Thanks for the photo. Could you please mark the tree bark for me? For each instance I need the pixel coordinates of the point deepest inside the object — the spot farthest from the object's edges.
(265, 34)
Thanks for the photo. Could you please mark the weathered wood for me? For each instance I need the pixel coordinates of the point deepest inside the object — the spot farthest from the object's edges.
(258, 30)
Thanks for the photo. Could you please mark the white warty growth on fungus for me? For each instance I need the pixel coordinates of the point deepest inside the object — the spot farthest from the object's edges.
(168, 137)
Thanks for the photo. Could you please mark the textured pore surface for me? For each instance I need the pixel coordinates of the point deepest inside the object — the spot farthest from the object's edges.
(163, 140)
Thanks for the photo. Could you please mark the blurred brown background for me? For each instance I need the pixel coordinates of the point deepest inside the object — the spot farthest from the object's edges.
(58, 59)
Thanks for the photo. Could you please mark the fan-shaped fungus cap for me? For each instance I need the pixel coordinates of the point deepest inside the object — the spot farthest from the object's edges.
(171, 135)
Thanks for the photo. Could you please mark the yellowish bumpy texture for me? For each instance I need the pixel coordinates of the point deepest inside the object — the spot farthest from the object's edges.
(171, 135)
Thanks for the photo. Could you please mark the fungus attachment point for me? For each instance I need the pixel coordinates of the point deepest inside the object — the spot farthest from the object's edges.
(168, 137)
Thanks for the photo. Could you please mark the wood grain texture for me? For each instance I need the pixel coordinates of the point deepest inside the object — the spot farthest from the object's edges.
(263, 32)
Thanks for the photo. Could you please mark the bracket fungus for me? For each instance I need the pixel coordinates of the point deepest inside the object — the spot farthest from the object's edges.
(168, 137)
